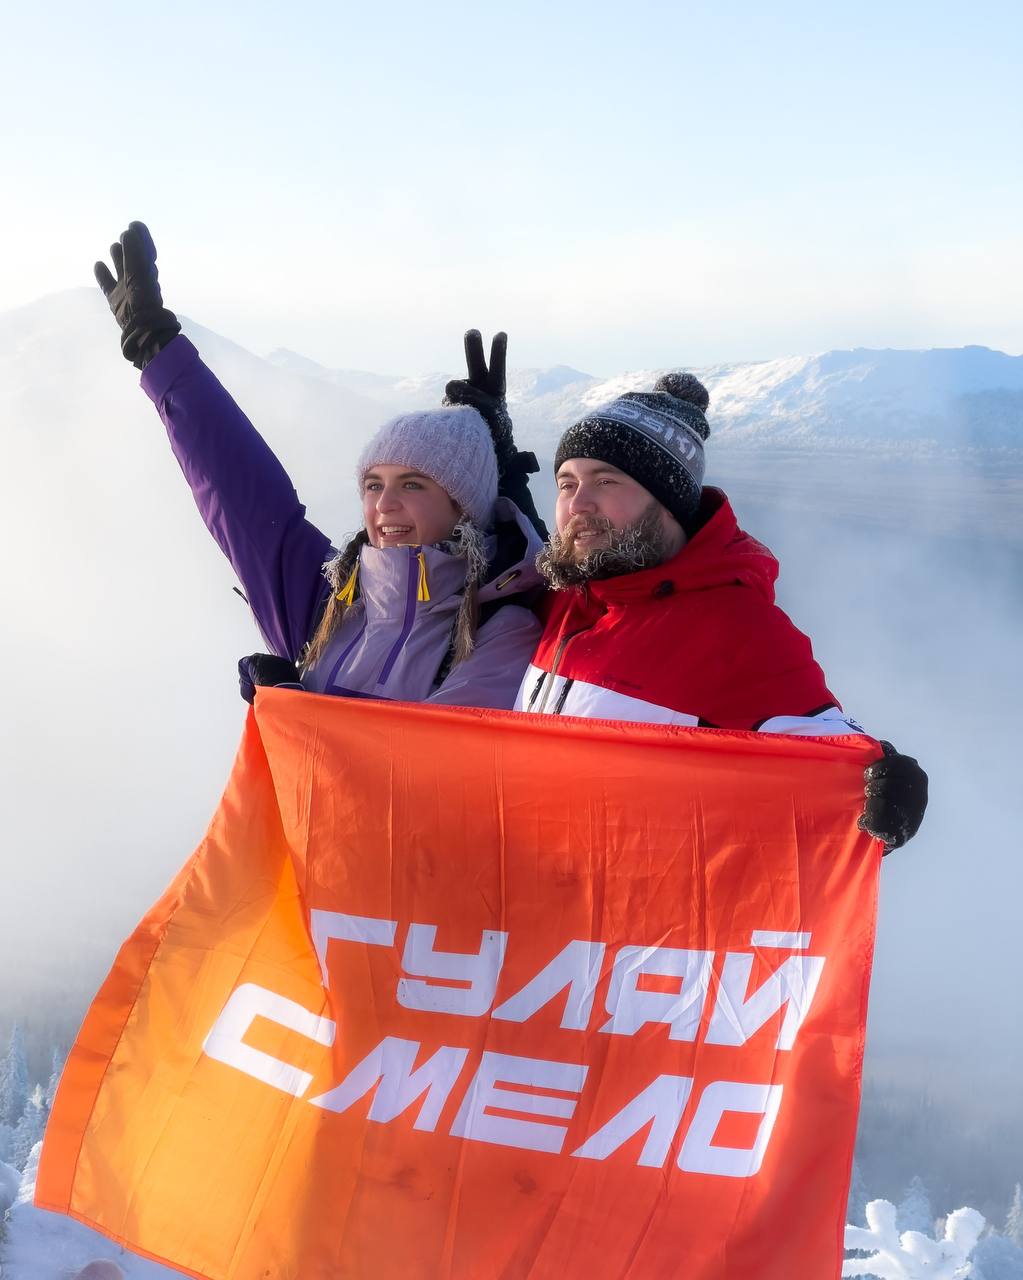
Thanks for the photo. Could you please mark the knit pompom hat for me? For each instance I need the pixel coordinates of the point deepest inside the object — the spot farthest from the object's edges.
(654, 436)
(452, 446)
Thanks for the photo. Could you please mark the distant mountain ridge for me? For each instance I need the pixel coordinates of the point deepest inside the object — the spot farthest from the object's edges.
(941, 400)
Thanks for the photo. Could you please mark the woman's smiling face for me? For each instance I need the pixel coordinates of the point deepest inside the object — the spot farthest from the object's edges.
(402, 507)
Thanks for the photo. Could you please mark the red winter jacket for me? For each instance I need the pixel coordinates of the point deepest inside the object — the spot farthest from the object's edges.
(697, 640)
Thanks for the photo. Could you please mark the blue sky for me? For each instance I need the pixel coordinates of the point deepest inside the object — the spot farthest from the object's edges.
(620, 185)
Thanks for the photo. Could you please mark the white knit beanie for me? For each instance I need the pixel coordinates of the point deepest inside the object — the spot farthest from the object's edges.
(451, 445)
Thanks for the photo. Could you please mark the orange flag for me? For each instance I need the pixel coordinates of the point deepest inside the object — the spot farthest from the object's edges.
(471, 994)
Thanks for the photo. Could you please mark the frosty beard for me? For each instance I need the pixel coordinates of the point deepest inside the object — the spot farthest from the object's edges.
(639, 545)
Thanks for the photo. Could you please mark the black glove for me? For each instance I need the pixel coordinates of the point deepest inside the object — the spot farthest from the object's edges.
(134, 297)
(260, 669)
(485, 390)
(896, 798)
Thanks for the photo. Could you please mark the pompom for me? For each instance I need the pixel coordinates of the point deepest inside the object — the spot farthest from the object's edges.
(684, 386)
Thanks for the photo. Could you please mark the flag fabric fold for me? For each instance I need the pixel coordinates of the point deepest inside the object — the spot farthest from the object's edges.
(469, 994)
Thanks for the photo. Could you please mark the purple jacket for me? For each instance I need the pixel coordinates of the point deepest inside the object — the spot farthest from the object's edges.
(390, 644)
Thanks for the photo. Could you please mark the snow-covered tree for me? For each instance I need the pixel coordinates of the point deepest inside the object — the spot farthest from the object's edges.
(1014, 1222)
(914, 1212)
(29, 1174)
(29, 1129)
(13, 1080)
(996, 1258)
(913, 1255)
(857, 1204)
(56, 1067)
(6, 1142)
(10, 1181)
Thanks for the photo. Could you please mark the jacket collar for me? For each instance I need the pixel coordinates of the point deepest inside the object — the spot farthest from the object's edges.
(388, 576)
(718, 554)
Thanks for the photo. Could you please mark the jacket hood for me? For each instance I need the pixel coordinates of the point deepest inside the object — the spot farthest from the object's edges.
(719, 554)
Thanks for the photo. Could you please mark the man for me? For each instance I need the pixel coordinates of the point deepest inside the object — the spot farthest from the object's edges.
(663, 608)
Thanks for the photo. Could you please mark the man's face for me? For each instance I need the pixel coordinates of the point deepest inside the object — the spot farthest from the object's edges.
(595, 498)
(608, 525)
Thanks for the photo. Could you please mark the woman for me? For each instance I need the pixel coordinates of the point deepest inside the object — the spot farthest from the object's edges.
(428, 602)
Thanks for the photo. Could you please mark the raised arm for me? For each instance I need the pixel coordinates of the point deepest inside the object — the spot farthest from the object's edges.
(243, 493)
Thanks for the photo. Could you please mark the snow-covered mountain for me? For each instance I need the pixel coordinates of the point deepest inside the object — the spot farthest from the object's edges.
(966, 398)
(939, 402)
(962, 398)
(68, 403)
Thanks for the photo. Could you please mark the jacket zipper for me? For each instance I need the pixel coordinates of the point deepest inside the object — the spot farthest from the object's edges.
(411, 592)
(559, 705)
(559, 653)
(359, 632)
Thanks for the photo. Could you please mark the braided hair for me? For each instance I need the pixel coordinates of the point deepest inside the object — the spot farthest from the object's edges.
(337, 572)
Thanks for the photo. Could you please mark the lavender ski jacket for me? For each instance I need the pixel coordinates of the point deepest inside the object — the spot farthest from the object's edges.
(390, 644)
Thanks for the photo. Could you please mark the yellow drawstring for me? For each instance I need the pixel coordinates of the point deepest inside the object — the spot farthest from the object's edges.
(424, 590)
(347, 593)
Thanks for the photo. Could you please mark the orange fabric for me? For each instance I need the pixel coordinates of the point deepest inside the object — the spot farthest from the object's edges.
(214, 1113)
